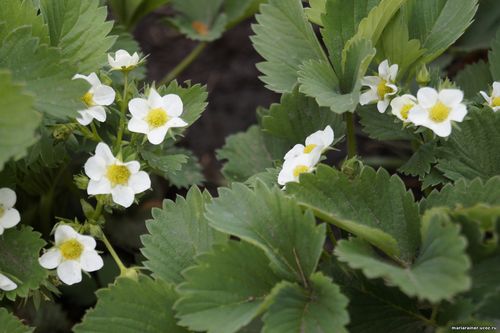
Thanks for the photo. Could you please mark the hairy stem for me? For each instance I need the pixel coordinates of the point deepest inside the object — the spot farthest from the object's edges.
(113, 253)
(192, 56)
(351, 135)
(123, 109)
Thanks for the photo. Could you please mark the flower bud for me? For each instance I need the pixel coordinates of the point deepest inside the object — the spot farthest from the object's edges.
(423, 76)
(81, 181)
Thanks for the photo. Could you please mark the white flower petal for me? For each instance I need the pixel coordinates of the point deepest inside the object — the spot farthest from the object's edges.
(92, 79)
(95, 167)
(296, 151)
(69, 272)
(382, 105)
(138, 107)
(50, 259)
(102, 186)
(393, 72)
(63, 233)
(7, 197)
(383, 69)
(418, 115)
(157, 135)
(123, 195)
(140, 182)
(85, 118)
(451, 97)
(90, 261)
(486, 97)
(133, 166)
(458, 113)
(10, 218)
(98, 113)
(175, 122)
(496, 89)
(7, 284)
(1, 230)
(154, 99)
(427, 97)
(442, 129)
(102, 150)
(368, 97)
(87, 241)
(371, 81)
(104, 95)
(173, 105)
(137, 125)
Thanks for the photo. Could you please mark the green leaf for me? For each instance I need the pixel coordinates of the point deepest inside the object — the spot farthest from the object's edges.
(190, 172)
(473, 150)
(474, 78)
(421, 161)
(16, 14)
(18, 120)
(237, 10)
(373, 206)
(319, 308)
(315, 11)
(80, 30)
(226, 290)
(438, 23)
(11, 324)
(295, 118)
(46, 75)
(275, 223)
(494, 57)
(177, 234)
(285, 39)
(132, 306)
(193, 13)
(382, 126)
(194, 99)
(246, 155)
(439, 272)
(485, 291)
(19, 260)
(357, 56)
(317, 79)
(163, 164)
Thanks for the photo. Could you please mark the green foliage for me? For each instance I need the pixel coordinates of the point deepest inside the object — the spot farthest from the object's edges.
(285, 39)
(438, 272)
(16, 14)
(382, 126)
(132, 306)
(315, 11)
(374, 206)
(164, 164)
(11, 324)
(256, 215)
(474, 78)
(494, 58)
(177, 234)
(194, 99)
(80, 30)
(421, 162)
(474, 150)
(246, 155)
(226, 290)
(20, 249)
(18, 120)
(319, 308)
(190, 173)
(130, 12)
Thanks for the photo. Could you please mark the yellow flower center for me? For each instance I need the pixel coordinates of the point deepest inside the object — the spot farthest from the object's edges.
(405, 110)
(495, 101)
(88, 98)
(382, 89)
(299, 169)
(71, 249)
(439, 112)
(309, 148)
(2, 210)
(118, 174)
(157, 118)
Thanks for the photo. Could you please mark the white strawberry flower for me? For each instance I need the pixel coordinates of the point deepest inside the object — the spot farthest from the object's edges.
(9, 216)
(436, 110)
(123, 61)
(156, 115)
(316, 144)
(6, 284)
(109, 175)
(98, 96)
(493, 100)
(382, 87)
(72, 254)
(401, 106)
(294, 167)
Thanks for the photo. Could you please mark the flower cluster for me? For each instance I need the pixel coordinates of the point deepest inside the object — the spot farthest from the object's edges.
(303, 158)
(430, 108)
(9, 218)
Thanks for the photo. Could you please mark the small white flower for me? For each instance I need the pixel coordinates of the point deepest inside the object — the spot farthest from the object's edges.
(123, 61)
(294, 167)
(436, 110)
(72, 254)
(316, 144)
(9, 216)
(402, 105)
(98, 96)
(382, 87)
(6, 284)
(156, 115)
(108, 175)
(493, 100)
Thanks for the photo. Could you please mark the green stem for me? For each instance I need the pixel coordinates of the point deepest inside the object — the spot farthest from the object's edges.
(434, 313)
(98, 210)
(331, 235)
(184, 63)
(351, 135)
(88, 134)
(123, 109)
(94, 132)
(119, 263)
